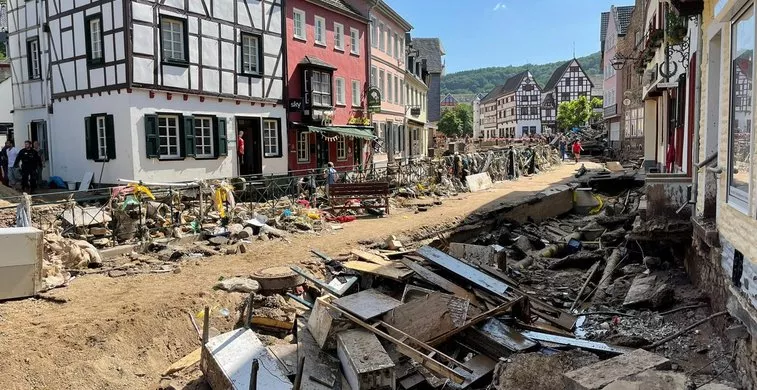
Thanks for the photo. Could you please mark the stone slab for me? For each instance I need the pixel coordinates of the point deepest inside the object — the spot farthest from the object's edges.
(649, 292)
(599, 375)
(651, 380)
(479, 182)
(367, 304)
(477, 254)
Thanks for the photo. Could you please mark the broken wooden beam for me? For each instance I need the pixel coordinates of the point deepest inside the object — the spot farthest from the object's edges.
(464, 270)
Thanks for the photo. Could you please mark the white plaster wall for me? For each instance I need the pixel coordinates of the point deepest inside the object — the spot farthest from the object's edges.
(6, 101)
(67, 138)
(190, 168)
(532, 122)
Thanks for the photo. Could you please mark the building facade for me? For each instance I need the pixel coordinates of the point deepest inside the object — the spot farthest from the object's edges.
(568, 82)
(630, 76)
(146, 91)
(431, 56)
(512, 109)
(478, 131)
(327, 74)
(489, 114)
(448, 102)
(417, 100)
(618, 19)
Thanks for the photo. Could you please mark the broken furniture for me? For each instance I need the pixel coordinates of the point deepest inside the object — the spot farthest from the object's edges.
(342, 196)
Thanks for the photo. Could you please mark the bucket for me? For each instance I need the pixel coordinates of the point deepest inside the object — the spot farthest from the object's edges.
(71, 185)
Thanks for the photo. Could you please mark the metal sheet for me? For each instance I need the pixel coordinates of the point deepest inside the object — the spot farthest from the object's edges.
(573, 342)
(465, 271)
(367, 304)
(481, 366)
(497, 332)
(86, 216)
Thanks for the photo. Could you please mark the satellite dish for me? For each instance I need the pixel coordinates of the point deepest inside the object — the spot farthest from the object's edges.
(626, 102)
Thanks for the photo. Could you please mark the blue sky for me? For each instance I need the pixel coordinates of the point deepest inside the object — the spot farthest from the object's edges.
(482, 33)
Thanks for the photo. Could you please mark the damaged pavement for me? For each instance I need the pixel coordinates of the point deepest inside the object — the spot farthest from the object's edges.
(570, 289)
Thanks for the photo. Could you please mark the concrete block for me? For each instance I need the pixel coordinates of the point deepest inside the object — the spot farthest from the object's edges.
(477, 254)
(651, 380)
(479, 182)
(601, 374)
(365, 363)
(21, 262)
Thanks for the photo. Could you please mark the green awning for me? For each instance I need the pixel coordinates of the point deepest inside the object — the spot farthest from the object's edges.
(349, 131)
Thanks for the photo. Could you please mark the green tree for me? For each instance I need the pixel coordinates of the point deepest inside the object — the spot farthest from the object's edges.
(596, 116)
(464, 113)
(574, 113)
(450, 125)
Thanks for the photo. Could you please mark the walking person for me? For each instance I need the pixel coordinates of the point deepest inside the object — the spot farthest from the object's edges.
(29, 160)
(330, 175)
(240, 153)
(563, 147)
(577, 149)
(11, 172)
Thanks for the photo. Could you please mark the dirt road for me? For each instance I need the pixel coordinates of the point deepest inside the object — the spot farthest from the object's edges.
(121, 333)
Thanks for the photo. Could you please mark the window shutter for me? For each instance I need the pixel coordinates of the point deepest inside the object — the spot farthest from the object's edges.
(110, 137)
(188, 133)
(221, 147)
(152, 144)
(90, 138)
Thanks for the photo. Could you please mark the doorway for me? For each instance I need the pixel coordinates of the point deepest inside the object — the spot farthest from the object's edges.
(322, 156)
(38, 133)
(251, 163)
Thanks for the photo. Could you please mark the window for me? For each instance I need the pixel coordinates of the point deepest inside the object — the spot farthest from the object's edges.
(203, 127)
(403, 89)
(173, 39)
(168, 133)
(339, 91)
(528, 88)
(567, 81)
(250, 54)
(548, 113)
(321, 88)
(374, 83)
(94, 38)
(99, 137)
(320, 31)
(524, 110)
(354, 41)
(374, 28)
(396, 90)
(338, 36)
(534, 98)
(381, 85)
(341, 148)
(401, 54)
(565, 96)
(102, 147)
(580, 81)
(396, 46)
(382, 37)
(389, 82)
(32, 51)
(356, 95)
(299, 24)
(303, 146)
(271, 137)
(740, 135)
(389, 42)
(534, 111)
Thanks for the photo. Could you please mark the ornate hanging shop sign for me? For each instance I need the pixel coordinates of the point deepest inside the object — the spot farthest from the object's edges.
(374, 100)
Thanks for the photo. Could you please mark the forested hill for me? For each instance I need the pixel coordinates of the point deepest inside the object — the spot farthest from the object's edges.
(484, 79)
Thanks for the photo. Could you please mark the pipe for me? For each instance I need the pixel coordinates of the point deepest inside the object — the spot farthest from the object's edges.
(697, 118)
(707, 161)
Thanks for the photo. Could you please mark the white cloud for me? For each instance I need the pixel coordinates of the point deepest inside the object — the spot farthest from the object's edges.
(500, 7)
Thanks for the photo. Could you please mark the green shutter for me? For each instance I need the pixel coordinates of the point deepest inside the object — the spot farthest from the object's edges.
(221, 147)
(110, 137)
(152, 145)
(90, 138)
(188, 130)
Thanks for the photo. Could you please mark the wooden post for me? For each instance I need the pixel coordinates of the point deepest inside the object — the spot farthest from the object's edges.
(206, 325)
(298, 377)
(254, 374)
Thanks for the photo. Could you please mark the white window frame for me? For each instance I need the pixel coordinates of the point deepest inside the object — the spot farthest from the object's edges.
(321, 85)
(396, 41)
(389, 78)
(354, 41)
(396, 90)
(251, 56)
(302, 33)
(382, 37)
(303, 146)
(382, 86)
(374, 76)
(356, 94)
(96, 38)
(271, 147)
(102, 138)
(338, 36)
(389, 42)
(36, 68)
(319, 31)
(341, 148)
(203, 127)
(374, 34)
(340, 91)
(171, 48)
(165, 140)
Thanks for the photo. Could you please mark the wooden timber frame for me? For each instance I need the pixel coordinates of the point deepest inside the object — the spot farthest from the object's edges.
(340, 193)
(428, 359)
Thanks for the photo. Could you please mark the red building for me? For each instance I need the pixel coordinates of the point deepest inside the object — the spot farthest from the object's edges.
(327, 72)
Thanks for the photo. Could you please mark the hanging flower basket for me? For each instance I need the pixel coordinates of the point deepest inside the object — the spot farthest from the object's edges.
(677, 29)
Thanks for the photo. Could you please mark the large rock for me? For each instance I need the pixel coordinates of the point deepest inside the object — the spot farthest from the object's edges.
(526, 370)
(599, 375)
(237, 284)
(648, 291)
(651, 380)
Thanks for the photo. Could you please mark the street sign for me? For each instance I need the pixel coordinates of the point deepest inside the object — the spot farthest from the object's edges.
(295, 104)
(374, 100)
(415, 111)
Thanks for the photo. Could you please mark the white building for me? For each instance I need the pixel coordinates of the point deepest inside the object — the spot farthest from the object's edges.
(568, 82)
(150, 91)
(478, 130)
(512, 109)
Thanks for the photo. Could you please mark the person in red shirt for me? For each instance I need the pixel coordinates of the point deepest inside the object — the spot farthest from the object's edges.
(577, 149)
(670, 156)
(240, 151)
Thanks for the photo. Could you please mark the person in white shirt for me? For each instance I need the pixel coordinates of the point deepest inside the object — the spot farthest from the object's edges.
(12, 172)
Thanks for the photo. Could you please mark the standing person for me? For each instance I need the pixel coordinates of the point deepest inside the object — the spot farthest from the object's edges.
(330, 175)
(39, 150)
(670, 156)
(577, 149)
(12, 153)
(29, 160)
(563, 147)
(4, 163)
(240, 152)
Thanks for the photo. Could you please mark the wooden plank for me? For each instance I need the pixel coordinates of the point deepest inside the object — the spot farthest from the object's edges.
(187, 361)
(426, 360)
(370, 257)
(475, 320)
(271, 323)
(367, 304)
(440, 282)
(423, 318)
(464, 270)
(458, 306)
(387, 271)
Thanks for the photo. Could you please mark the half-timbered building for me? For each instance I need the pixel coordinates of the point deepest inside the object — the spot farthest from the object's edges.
(568, 82)
(154, 91)
(516, 109)
(327, 76)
